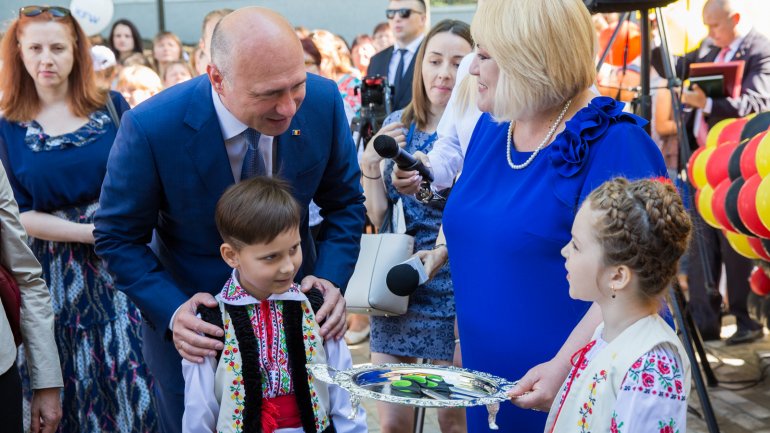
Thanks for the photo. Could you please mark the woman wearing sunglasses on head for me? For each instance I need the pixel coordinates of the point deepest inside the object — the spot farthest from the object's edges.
(55, 135)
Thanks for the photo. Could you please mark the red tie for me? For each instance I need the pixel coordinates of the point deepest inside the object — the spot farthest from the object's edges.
(722, 54)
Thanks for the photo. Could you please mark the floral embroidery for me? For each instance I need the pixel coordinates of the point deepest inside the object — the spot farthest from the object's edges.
(614, 426)
(586, 410)
(647, 372)
(668, 427)
(311, 349)
(570, 149)
(37, 140)
(267, 322)
(232, 360)
(232, 291)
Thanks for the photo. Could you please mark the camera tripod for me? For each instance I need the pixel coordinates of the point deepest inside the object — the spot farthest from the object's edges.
(690, 336)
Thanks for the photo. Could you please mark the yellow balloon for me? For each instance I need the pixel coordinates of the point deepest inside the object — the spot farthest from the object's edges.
(740, 244)
(705, 210)
(763, 201)
(699, 168)
(713, 135)
(763, 156)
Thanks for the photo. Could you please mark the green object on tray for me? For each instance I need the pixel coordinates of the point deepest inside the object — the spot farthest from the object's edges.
(712, 85)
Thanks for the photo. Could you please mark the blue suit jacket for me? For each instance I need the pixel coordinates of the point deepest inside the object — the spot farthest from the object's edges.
(167, 169)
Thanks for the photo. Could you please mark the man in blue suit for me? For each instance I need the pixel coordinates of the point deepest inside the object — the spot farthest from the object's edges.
(174, 156)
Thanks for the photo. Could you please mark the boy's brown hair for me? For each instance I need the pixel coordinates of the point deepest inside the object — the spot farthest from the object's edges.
(256, 211)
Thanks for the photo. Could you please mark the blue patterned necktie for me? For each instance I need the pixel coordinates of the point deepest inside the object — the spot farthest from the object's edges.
(253, 165)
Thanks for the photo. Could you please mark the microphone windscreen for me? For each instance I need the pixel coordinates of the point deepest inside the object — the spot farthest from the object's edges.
(402, 280)
(386, 146)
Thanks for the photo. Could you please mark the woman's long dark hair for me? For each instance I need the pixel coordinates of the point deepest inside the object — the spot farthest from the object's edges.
(134, 33)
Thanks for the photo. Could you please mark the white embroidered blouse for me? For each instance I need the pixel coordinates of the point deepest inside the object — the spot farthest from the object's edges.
(652, 395)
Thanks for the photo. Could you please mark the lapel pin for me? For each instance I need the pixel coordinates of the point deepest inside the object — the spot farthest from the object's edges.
(295, 132)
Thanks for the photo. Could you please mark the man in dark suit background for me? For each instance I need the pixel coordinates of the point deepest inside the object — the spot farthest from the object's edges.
(731, 41)
(256, 112)
(408, 20)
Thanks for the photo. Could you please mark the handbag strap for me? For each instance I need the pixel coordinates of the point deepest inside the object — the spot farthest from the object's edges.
(393, 221)
(113, 111)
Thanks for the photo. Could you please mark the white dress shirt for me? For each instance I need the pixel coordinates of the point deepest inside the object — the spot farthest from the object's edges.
(454, 133)
(235, 141)
(411, 51)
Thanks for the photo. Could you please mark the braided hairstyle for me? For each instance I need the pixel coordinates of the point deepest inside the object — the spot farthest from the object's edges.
(645, 227)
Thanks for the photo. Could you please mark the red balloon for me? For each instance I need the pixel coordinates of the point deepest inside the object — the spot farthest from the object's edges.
(718, 204)
(716, 167)
(628, 35)
(759, 281)
(749, 157)
(691, 164)
(732, 132)
(747, 207)
(759, 248)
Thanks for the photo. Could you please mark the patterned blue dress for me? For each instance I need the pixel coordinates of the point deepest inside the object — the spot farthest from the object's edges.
(427, 328)
(106, 382)
(505, 229)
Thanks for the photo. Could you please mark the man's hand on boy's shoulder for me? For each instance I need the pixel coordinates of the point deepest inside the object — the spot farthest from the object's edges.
(188, 330)
(332, 312)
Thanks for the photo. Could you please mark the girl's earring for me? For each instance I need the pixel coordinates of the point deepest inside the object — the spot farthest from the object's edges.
(613, 291)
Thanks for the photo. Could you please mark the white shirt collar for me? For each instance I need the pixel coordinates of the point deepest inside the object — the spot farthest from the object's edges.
(234, 294)
(412, 46)
(229, 124)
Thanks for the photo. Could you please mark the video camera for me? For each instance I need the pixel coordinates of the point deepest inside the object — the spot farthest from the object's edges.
(376, 105)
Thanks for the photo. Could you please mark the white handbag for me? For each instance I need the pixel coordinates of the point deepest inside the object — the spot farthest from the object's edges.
(367, 292)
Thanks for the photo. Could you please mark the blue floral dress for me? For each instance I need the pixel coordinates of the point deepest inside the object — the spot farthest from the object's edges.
(505, 229)
(106, 382)
(427, 328)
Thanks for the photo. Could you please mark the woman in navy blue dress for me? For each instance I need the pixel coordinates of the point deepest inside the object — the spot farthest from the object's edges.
(426, 331)
(55, 136)
(544, 142)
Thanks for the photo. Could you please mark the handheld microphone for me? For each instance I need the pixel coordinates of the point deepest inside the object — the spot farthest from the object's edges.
(404, 278)
(387, 147)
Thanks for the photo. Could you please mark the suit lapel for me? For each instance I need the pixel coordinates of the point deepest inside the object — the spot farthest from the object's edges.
(206, 147)
(287, 149)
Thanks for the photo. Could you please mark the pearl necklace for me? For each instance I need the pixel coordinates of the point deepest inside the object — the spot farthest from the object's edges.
(540, 146)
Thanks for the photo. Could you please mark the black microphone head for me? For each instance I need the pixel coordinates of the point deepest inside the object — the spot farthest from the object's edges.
(386, 146)
(402, 280)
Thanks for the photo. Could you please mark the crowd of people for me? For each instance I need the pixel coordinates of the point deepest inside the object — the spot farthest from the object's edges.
(151, 301)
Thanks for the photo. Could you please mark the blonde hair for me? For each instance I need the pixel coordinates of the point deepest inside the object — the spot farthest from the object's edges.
(335, 55)
(139, 77)
(544, 49)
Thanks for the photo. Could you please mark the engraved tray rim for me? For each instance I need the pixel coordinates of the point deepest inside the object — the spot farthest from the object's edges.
(345, 379)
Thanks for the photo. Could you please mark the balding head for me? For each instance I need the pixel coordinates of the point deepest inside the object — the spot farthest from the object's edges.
(721, 18)
(252, 33)
(258, 68)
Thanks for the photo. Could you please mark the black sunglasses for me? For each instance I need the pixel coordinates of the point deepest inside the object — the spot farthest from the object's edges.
(403, 13)
(33, 11)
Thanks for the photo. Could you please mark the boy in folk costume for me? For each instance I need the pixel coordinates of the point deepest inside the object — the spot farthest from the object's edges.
(633, 376)
(259, 382)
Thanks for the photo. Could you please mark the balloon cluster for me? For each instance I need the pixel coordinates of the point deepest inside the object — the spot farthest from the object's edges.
(731, 175)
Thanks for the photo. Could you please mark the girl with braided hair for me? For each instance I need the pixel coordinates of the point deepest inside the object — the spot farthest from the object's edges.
(633, 376)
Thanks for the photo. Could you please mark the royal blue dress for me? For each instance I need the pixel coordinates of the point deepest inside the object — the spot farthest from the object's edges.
(505, 229)
(107, 386)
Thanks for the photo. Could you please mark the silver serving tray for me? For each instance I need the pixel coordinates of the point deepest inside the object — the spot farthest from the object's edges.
(468, 387)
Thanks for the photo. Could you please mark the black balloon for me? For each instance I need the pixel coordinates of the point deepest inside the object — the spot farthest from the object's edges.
(755, 125)
(734, 166)
(731, 207)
